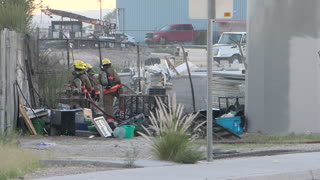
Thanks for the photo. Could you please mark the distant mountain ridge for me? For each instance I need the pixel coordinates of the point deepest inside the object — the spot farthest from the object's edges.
(44, 21)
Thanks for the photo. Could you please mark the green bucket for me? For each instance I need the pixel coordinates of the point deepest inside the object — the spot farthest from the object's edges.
(129, 130)
(38, 125)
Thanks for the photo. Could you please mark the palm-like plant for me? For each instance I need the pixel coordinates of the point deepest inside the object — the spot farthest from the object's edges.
(173, 141)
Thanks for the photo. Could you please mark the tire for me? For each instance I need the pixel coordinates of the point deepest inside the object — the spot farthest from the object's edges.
(163, 41)
(216, 60)
(235, 57)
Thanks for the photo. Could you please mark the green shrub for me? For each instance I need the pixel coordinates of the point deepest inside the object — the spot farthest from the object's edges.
(188, 155)
(172, 129)
(16, 15)
(169, 144)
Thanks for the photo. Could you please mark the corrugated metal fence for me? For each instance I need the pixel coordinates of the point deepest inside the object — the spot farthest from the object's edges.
(12, 72)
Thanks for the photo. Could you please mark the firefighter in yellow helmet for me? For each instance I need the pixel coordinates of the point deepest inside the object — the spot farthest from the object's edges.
(111, 84)
(80, 81)
(95, 94)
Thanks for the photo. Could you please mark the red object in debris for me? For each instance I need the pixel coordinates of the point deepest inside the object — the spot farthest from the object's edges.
(110, 120)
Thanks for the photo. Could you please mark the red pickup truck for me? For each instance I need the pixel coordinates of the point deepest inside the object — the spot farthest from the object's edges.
(172, 33)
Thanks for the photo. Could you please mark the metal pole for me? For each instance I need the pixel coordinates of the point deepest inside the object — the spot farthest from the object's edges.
(68, 56)
(124, 18)
(100, 55)
(190, 79)
(211, 8)
(138, 66)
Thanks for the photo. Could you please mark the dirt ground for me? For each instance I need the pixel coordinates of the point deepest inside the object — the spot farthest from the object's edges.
(57, 147)
(67, 146)
(112, 148)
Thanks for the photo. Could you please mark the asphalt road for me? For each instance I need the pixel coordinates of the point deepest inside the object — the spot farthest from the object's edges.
(303, 166)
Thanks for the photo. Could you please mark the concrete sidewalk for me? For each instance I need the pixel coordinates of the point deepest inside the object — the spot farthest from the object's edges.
(290, 166)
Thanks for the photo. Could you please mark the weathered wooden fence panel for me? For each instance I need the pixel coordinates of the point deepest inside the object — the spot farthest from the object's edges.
(12, 71)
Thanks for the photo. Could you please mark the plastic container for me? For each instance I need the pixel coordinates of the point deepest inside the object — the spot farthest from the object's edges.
(119, 132)
(81, 126)
(88, 122)
(232, 123)
(92, 128)
(38, 125)
(129, 131)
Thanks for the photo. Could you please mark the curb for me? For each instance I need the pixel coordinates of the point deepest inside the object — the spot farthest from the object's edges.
(63, 162)
(104, 163)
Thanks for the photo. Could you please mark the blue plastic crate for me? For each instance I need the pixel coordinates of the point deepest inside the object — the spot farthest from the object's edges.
(232, 123)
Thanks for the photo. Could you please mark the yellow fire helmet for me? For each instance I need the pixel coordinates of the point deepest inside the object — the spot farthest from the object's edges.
(106, 61)
(78, 64)
(88, 66)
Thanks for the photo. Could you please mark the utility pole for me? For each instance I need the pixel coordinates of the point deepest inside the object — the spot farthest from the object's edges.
(68, 53)
(100, 9)
(211, 9)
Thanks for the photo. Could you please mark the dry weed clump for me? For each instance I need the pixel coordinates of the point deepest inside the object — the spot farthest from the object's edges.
(14, 161)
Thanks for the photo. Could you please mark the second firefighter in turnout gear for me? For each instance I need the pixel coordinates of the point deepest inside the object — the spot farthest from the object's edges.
(111, 84)
(80, 81)
(95, 94)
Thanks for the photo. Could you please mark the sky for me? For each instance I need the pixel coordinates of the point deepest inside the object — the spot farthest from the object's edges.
(77, 5)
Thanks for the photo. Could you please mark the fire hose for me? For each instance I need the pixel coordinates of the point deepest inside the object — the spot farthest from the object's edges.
(99, 108)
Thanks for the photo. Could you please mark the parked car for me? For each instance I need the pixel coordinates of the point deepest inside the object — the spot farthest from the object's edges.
(172, 33)
(120, 38)
(227, 49)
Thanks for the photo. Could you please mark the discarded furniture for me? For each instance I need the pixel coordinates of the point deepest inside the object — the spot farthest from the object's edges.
(63, 122)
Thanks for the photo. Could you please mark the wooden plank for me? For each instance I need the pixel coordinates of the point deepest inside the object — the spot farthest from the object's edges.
(172, 66)
(26, 119)
(102, 126)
